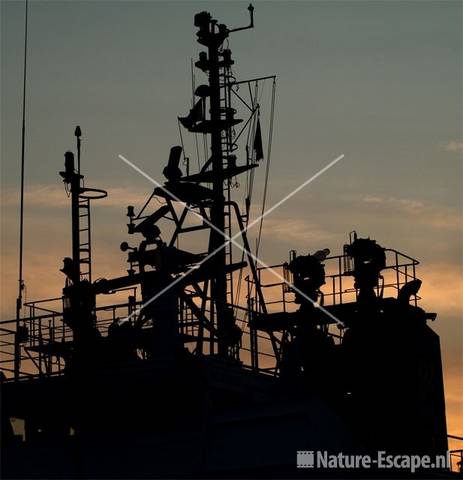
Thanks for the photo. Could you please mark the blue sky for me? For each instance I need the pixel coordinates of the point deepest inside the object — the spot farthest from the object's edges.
(380, 81)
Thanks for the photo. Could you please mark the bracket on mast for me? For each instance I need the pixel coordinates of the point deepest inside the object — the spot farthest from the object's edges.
(251, 24)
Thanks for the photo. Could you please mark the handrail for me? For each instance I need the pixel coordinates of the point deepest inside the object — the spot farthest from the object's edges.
(51, 315)
(49, 327)
(32, 303)
(414, 260)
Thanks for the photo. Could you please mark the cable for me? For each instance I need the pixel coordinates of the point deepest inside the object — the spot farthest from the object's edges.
(249, 179)
(181, 139)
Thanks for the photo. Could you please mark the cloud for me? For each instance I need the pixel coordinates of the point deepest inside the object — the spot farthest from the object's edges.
(406, 204)
(442, 288)
(435, 216)
(454, 146)
(43, 278)
(296, 231)
(54, 196)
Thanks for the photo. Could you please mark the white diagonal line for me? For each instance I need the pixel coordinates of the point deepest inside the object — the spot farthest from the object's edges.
(283, 200)
(235, 236)
(232, 239)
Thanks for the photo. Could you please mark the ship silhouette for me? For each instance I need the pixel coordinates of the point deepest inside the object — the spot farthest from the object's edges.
(216, 366)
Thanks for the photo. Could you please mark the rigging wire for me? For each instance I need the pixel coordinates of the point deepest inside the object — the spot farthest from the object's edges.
(205, 147)
(254, 127)
(262, 91)
(140, 213)
(250, 174)
(197, 151)
(193, 87)
(249, 157)
(186, 160)
(181, 139)
(267, 168)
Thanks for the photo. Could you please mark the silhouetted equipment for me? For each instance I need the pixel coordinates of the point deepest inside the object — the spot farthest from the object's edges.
(124, 246)
(309, 275)
(71, 269)
(149, 222)
(148, 229)
(203, 91)
(196, 115)
(78, 134)
(409, 289)
(258, 147)
(325, 352)
(227, 173)
(184, 192)
(172, 171)
(369, 259)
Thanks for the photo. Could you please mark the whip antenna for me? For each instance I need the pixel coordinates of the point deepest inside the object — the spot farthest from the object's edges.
(17, 356)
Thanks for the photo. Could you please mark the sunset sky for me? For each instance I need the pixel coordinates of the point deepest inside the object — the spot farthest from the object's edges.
(378, 81)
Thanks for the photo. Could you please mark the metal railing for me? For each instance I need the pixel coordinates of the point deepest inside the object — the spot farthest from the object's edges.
(45, 334)
(456, 456)
(339, 284)
(44, 326)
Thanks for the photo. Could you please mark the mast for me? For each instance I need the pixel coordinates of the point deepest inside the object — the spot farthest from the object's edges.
(74, 179)
(219, 283)
(79, 300)
(216, 62)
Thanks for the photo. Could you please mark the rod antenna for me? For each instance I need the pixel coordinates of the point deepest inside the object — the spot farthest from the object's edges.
(19, 301)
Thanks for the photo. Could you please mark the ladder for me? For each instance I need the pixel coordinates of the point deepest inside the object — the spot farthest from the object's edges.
(85, 250)
(227, 152)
